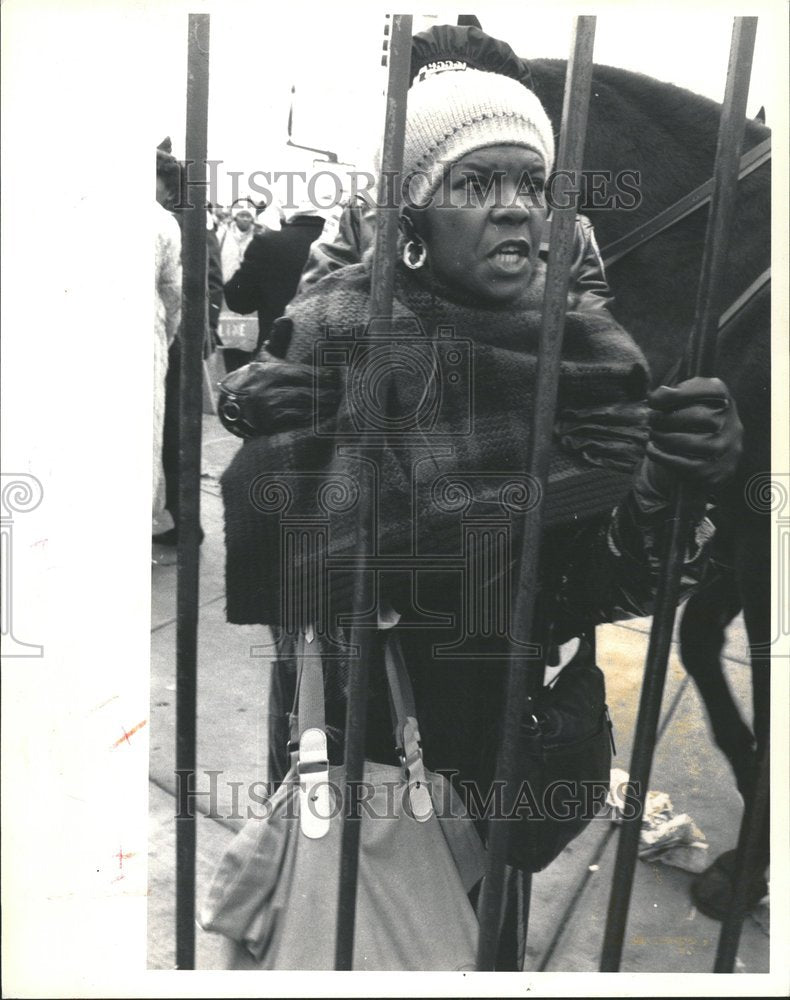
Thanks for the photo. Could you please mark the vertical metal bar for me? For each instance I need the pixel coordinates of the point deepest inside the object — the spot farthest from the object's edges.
(702, 354)
(363, 633)
(190, 416)
(569, 158)
(699, 361)
(748, 862)
(385, 247)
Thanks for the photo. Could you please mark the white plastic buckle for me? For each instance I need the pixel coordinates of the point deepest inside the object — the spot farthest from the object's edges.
(414, 772)
(566, 652)
(315, 806)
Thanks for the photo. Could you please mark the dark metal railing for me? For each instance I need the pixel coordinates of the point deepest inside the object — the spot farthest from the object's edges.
(522, 673)
(561, 244)
(363, 632)
(699, 360)
(190, 429)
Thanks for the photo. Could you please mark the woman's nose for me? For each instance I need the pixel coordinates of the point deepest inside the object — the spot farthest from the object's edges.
(510, 205)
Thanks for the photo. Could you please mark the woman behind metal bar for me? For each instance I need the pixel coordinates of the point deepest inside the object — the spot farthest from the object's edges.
(458, 371)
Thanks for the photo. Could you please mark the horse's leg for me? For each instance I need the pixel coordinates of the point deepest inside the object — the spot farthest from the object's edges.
(712, 890)
(705, 617)
(752, 562)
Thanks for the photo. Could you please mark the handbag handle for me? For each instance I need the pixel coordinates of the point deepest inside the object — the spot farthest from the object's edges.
(312, 765)
(310, 706)
(312, 759)
(408, 741)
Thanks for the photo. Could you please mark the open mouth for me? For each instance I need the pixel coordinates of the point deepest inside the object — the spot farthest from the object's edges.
(511, 256)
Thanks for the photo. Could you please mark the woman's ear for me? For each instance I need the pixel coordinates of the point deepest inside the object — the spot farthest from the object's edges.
(405, 224)
(413, 224)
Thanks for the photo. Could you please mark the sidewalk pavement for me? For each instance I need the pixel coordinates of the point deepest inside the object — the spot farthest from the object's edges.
(665, 931)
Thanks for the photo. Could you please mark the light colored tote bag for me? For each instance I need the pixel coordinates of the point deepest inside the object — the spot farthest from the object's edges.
(275, 890)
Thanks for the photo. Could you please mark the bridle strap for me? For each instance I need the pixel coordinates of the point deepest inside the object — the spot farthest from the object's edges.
(690, 203)
(736, 309)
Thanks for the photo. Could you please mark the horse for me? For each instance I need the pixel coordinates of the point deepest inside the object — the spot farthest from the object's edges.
(665, 137)
(652, 143)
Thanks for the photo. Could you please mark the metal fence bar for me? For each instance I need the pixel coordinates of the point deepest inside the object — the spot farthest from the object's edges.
(603, 845)
(724, 197)
(699, 361)
(569, 158)
(190, 419)
(748, 862)
(363, 632)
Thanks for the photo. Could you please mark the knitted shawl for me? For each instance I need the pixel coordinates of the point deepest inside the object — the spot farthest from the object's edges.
(445, 392)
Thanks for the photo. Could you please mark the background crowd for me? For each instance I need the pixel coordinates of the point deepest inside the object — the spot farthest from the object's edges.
(256, 252)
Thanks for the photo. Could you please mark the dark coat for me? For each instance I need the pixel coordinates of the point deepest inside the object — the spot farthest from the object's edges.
(213, 275)
(214, 280)
(291, 512)
(270, 271)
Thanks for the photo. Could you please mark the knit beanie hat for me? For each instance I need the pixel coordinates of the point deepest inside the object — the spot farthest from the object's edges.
(453, 110)
(243, 205)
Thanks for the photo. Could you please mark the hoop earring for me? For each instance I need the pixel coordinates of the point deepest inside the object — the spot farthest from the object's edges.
(415, 254)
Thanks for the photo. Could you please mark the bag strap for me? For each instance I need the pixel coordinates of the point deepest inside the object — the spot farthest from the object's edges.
(310, 707)
(312, 765)
(309, 715)
(408, 741)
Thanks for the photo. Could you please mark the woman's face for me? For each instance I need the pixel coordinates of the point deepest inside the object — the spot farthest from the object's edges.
(484, 225)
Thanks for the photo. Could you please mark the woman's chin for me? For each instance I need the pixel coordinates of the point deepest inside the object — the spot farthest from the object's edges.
(512, 287)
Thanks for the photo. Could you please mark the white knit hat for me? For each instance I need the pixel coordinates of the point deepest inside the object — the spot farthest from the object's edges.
(243, 205)
(456, 110)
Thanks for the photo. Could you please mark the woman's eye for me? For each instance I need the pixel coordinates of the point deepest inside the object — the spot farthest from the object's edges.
(475, 185)
(532, 191)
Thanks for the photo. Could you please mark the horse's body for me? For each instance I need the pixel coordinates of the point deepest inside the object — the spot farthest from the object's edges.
(669, 136)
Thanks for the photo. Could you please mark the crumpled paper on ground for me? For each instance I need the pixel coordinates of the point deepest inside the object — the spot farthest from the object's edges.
(673, 840)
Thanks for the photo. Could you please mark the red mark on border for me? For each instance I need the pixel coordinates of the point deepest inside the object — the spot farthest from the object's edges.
(121, 856)
(132, 731)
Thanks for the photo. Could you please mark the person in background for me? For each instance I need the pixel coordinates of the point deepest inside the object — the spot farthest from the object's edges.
(236, 337)
(269, 274)
(271, 217)
(170, 182)
(221, 219)
(237, 236)
(167, 317)
(213, 278)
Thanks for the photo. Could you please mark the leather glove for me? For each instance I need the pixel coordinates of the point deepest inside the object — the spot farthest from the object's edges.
(695, 432)
(269, 396)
